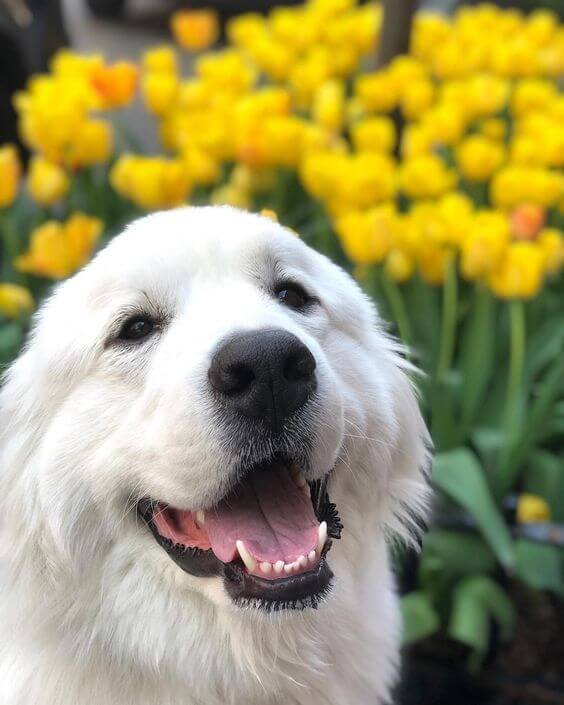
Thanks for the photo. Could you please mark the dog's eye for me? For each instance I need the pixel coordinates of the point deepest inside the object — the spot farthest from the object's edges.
(136, 328)
(292, 295)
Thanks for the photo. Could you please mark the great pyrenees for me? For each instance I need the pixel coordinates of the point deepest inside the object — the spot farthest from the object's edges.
(208, 446)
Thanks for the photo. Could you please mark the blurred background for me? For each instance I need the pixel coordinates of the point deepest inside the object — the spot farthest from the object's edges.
(418, 144)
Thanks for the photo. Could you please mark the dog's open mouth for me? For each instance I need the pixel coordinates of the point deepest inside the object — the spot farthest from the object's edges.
(268, 537)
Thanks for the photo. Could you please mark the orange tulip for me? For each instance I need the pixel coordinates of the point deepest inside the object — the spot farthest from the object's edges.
(195, 30)
(527, 221)
(116, 84)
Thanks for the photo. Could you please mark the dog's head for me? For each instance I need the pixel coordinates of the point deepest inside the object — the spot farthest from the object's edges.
(213, 400)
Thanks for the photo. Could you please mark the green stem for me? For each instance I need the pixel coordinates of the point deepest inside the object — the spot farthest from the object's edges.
(448, 320)
(506, 473)
(397, 306)
(516, 360)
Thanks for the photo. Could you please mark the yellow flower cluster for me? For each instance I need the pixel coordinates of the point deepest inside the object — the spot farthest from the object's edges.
(490, 245)
(306, 46)
(58, 249)
(151, 182)
(57, 112)
(475, 176)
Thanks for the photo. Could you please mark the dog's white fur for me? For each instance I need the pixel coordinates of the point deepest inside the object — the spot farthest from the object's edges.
(92, 609)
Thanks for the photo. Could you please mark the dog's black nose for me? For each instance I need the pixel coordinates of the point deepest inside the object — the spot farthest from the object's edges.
(267, 374)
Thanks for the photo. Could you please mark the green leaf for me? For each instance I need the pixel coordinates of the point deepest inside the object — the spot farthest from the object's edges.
(541, 409)
(460, 553)
(476, 601)
(423, 307)
(419, 617)
(488, 441)
(11, 338)
(477, 353)
(459, 474)
(442, 395)
(541, 566)
(544, 346)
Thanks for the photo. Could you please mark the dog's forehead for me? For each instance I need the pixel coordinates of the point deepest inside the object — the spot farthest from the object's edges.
(166, 257)
(190, 241)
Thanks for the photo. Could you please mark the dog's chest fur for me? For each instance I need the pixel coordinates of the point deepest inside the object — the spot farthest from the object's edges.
(343, 653)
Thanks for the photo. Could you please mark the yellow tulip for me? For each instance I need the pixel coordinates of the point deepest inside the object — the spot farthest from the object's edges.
(161, 59)
(15, 301)
(66, 62)
(116, 84)
(47, 182)
(551, 242)
(195, 30)
(282, 140)
(416, 141)
(377, 92)
(367, 236)
(484, 243)
(201, 167)
(426, 176)
(375, 134)
(417, 98)
(58, 249)
(433, 262)
(159, 91)
(494, 128)
(532, 509)
(368, 179)
(533, 95)
(483, 95)
(519, 274)
(399, 265)
(445, 122)
(93, 143)
(479, 157)
(244, 30)
(329, 105)
(10, 169)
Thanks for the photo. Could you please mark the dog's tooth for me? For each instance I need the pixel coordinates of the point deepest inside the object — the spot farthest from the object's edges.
(278, 567)
(266, 567)
(305, 489)
(288, 567)
(302, 561)
(312, 556)
(246, 557)
(321, 536)
(200, 517)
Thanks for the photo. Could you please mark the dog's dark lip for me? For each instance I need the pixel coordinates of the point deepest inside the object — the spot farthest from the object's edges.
(300, 591)
(303, 591)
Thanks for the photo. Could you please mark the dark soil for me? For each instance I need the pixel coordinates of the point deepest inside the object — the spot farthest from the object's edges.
(529, 670)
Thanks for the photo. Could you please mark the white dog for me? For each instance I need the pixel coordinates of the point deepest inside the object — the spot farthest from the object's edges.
(186, 412)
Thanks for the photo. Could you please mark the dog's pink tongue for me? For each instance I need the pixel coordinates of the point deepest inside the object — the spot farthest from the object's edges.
(269, 513)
